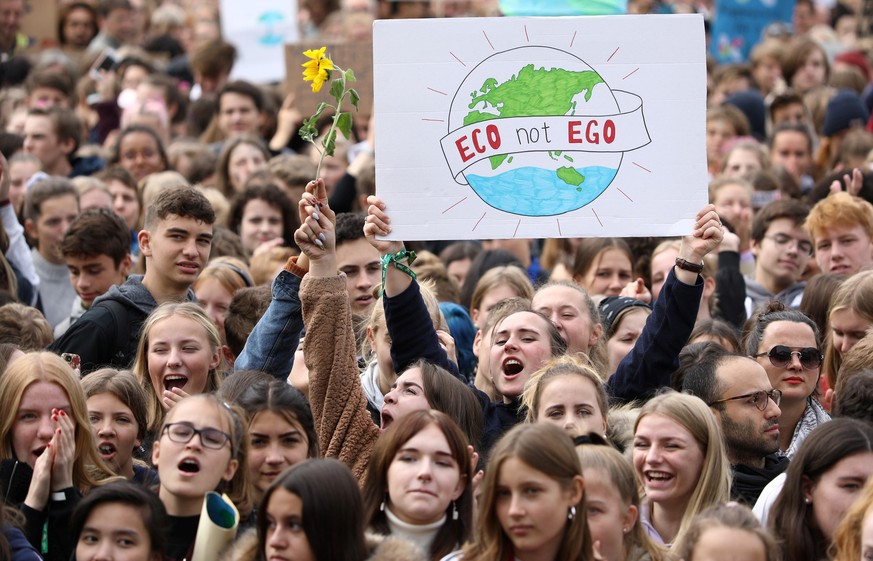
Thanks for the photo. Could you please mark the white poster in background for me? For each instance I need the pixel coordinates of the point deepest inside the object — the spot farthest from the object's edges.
(259, 30)
(541, 127)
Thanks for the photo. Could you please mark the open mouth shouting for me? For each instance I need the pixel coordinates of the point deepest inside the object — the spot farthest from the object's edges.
(175, 381)
(189, 466)
(107, 450)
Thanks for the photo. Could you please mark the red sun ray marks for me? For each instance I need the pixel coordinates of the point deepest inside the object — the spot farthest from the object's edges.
(642, 167)
(456, 58)
(629, 75)
(454, 205)
(613, 54)
(573, 39)
(478, 221)
(437, 91)
(515, 233)
(558, 220)
(597, 217)
(487, 39)
(625, 194)
(433, 120)
(526, 36)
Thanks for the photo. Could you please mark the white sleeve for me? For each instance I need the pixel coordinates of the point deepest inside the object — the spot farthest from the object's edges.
(18, 253)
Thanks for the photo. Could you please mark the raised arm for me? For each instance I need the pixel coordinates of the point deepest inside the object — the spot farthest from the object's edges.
(412, 333)
(655, 356)
(339, 407)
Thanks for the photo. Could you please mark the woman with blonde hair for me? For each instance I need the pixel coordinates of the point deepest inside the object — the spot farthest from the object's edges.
(495, 285)
(850, 315)
(569, 394)
(179, 354)
(47, 447)
(516, 523)
(854, 538)
(680, 459)
(215, 287)
(612, 501)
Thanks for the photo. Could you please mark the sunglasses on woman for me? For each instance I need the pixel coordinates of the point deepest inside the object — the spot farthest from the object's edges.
(780, 356)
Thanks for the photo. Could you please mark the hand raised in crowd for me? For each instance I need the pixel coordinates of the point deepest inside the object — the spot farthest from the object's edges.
(708, 235)
(316, 236)
(379, 224)
(853, 183)
(637, 289)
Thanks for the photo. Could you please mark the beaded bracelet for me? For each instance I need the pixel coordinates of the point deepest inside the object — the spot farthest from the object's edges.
(396, 258)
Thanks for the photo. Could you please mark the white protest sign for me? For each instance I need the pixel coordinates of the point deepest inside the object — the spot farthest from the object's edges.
(541, 127)
(259, 30)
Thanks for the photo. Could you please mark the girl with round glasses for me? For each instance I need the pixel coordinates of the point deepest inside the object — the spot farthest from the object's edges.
(200, 448)
(786, 343)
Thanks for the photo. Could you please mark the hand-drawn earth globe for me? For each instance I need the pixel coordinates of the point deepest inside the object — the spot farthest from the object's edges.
(536, 81)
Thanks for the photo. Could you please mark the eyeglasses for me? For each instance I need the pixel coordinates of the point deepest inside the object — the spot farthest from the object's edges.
(780, 356)
(184, 432)
(759, 398)
(782, 240)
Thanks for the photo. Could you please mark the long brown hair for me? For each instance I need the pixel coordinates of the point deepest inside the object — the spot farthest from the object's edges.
(452, 532)
(549, 450)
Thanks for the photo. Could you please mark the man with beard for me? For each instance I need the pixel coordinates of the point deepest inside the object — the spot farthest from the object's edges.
(746, 406)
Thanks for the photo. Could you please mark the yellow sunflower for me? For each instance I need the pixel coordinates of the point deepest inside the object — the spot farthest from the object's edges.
(316, 69)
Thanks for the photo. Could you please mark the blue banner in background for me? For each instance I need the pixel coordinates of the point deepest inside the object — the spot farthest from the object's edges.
(738, 25)
(563, 7)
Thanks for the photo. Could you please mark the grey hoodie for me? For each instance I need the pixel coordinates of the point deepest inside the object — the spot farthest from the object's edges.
(757, 295)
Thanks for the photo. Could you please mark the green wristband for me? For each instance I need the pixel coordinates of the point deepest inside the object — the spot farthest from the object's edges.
(396, 258)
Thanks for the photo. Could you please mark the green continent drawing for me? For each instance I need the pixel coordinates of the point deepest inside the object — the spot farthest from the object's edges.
(533, 92)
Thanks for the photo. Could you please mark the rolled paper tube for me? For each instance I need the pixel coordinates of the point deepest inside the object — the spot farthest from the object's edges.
(217, 528)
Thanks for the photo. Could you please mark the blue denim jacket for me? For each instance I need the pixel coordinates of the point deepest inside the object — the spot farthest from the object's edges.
(272, 343)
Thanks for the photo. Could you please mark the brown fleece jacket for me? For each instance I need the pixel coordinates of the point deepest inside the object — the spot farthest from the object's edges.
(339, 407)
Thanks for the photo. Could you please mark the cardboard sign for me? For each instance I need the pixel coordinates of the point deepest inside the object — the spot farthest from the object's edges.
(541, 127)
(40, 24)
(357, 56)
(738, 25)
(259, 29)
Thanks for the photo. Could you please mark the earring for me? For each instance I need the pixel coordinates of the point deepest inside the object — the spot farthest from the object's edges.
(807, 500)
(382, 506)
(625, 530)
(572, 513)
(454, 510)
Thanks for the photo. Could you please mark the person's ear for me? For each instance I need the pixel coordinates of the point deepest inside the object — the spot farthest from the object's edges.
(477, 342)
(827, 401)
(30, 228)
(459, 490)
(144, 237)
(753, 247)
(807, 487)
(577, 490)
(156, 452)
(231, 470)
(596, 334)
(629, 519)
(69, 145)
(216, 359)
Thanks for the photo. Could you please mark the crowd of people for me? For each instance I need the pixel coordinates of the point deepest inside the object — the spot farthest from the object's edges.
(185, 308)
